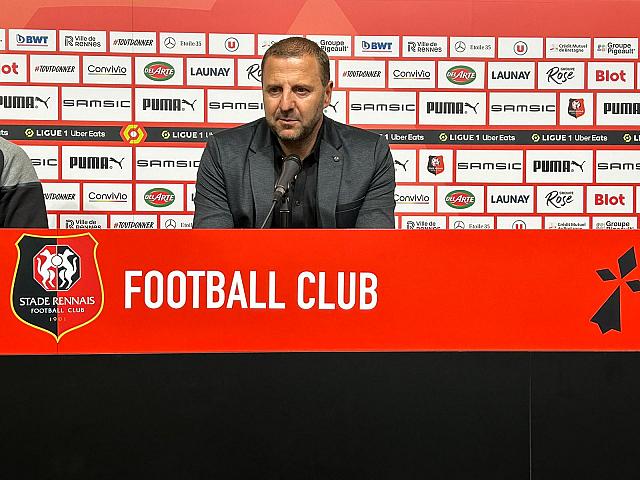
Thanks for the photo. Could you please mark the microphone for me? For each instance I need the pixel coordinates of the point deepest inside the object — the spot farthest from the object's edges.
(291, 166)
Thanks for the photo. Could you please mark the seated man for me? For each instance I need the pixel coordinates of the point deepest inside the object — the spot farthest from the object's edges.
(21, 198)
(347, 178)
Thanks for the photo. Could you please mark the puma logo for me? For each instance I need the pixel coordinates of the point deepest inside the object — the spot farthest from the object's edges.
(46, 102)
(474, 108)
(191, 104)
(333, 105)
(403, 165)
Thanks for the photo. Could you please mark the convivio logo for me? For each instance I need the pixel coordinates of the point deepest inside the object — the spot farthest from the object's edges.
(159, 71)
(608, 315)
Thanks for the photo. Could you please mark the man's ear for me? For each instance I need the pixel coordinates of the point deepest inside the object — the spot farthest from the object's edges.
(327, 94)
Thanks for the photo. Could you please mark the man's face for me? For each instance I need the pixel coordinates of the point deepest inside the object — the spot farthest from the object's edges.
(294, 96)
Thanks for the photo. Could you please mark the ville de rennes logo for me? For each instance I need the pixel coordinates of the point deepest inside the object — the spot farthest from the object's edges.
(608, 315)
(57, 286)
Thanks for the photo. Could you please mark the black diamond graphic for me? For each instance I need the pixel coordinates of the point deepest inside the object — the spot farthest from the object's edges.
(634, 285)
(606, 274)
(627, 262)
(608, 316)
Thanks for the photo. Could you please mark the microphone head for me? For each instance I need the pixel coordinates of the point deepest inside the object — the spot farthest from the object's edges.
(291, 166)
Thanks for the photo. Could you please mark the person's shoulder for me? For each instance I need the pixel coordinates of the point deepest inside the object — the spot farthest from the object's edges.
(237, 135)
(350, 133)
(10, 149)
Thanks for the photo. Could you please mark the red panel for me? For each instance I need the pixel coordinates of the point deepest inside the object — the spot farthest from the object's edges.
(445, 290)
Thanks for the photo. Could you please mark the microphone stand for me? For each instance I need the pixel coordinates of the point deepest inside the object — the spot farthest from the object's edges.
(284, 211)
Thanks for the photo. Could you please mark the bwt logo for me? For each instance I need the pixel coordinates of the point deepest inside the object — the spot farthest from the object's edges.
(32, 39)
(376, 46)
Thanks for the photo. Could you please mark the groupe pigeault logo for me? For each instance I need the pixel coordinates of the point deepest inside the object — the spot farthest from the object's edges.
(57, 285)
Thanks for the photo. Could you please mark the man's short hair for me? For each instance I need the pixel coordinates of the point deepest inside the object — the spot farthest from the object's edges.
(296, 47)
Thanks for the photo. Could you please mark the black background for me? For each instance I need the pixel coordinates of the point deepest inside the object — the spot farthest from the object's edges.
(321, 416)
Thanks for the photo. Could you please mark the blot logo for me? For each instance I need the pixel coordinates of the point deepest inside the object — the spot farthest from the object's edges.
(57, 286)
(608, 315)
(159, 197)
(460, 199)
(159, 71)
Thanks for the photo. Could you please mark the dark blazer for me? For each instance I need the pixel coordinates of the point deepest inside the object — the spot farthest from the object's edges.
(236, 178)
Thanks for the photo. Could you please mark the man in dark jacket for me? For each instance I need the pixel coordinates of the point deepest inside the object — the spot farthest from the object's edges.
(21, 199)
(347, 178)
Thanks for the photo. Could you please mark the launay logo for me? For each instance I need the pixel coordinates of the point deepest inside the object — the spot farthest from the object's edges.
(608, 315)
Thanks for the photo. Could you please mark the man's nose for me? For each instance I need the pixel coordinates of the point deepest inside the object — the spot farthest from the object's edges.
(287, 100)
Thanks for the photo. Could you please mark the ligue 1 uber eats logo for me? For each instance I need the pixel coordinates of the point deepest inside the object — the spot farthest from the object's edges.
(57, 286)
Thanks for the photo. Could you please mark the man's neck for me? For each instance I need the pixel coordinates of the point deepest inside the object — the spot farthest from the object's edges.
(301, 148)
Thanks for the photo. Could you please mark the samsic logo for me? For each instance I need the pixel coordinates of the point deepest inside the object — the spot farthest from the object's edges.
(383, 107)
(235, 105)
(23, 102)
(159, 71)
(460, 199)
(167, 104)
(159, 197)
(461, 75)
(519, 108)
(157, 163)
(70, 102)
(94, 163)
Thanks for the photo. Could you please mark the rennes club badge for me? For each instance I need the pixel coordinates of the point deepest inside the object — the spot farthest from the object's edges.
(57, 286)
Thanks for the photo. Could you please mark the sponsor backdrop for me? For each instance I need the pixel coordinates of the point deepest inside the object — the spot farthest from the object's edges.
(79, 294)
(494, 121)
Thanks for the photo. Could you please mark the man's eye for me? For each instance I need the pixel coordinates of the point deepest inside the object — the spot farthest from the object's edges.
(274, 91)
(302, 90)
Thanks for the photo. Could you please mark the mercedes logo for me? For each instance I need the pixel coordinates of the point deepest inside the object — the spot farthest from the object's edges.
(460, 46)
(458, 224)
(169, 42)
(170, 223)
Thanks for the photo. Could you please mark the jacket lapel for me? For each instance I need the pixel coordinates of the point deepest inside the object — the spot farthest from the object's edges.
(262, 173)
(329, 174)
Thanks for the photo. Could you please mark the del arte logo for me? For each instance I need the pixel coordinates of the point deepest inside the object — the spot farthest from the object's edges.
(159, 71)
(159, 197)
(460, 199)
(57, 286)
(461, 75)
